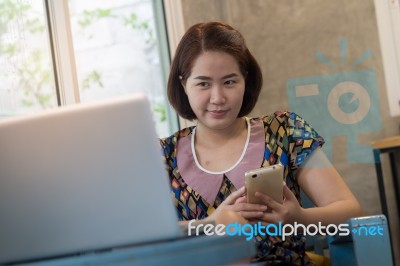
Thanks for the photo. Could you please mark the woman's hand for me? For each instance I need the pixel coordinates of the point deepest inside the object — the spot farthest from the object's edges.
(288, 212)
(237, 202)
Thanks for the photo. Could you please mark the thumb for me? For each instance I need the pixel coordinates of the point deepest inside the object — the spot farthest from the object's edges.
(235, 195)
(288, 194)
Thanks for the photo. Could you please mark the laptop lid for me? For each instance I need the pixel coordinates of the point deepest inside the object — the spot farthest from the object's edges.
(82, 178)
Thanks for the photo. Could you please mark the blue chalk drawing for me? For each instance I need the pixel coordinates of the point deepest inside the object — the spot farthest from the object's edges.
(339, 104)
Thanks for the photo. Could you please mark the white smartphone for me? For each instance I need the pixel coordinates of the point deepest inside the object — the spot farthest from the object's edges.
(267, 180)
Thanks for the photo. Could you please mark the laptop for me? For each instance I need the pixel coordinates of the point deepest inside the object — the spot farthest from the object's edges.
(82, 178)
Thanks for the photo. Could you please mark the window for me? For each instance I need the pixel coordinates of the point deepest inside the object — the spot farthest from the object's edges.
(99, 50)
(388, 19)
(26, 79)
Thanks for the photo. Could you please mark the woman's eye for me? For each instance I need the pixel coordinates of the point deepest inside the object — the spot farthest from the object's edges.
(203, 84)
(230, 82)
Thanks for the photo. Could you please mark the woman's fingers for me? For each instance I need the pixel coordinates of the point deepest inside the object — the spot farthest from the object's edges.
(284, 212)
(242, 199)
(251, 207)
(237, 202)
(268, 201)
(231, 199)
(252, 215)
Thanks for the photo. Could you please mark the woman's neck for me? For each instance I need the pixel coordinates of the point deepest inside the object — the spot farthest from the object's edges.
(218, 150)
(214, 137)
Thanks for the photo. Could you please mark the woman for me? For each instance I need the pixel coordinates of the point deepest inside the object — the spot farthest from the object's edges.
(215, 81)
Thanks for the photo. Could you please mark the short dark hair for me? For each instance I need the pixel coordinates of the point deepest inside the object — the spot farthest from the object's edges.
(212, 36)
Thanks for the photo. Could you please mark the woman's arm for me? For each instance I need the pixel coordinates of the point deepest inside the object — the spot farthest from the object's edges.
(334, 202)
(320, 181)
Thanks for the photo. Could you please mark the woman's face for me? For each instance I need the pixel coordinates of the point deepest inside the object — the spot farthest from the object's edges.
(215, 89)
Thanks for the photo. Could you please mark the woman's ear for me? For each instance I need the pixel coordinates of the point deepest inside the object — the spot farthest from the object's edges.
(183, 83)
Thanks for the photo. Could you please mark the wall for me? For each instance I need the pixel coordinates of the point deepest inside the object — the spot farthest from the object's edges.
(287, 37)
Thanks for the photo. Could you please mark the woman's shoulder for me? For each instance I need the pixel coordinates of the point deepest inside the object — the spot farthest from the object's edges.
(290, 129)
(291, 122)
(170, 141)
(286, 117)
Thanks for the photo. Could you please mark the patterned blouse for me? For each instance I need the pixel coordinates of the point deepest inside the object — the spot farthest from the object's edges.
(280, 137)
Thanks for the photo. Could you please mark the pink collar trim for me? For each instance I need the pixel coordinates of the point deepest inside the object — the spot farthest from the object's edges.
(207, 185)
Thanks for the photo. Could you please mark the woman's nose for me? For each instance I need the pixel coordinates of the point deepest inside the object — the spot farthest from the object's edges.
(217, 96)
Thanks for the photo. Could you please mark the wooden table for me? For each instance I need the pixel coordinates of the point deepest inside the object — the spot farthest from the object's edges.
(391, 146)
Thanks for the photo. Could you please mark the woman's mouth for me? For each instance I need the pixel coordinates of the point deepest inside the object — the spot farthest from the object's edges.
(218, 113)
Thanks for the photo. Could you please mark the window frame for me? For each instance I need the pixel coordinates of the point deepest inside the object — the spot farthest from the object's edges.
(62, 50)
(63, 56)
(175, 26)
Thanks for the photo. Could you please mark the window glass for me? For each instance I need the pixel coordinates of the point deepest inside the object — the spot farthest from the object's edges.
(117, 53)
(26, 75)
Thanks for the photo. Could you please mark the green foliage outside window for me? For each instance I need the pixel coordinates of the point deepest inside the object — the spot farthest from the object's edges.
(28, 68)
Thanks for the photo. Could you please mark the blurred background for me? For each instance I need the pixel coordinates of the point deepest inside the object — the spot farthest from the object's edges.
(334, 62)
